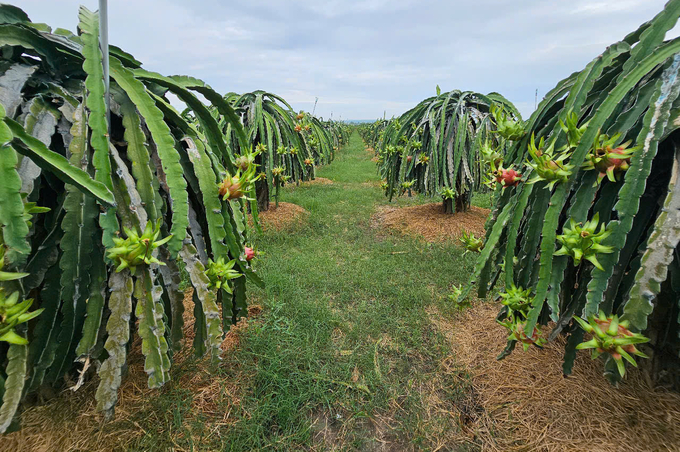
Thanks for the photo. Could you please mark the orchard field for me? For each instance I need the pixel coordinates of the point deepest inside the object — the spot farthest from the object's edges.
(234, 274)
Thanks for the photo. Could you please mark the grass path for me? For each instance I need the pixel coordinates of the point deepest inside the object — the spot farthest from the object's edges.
(344, 356)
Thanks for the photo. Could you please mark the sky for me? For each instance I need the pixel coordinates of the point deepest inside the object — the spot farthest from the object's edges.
(364, 59)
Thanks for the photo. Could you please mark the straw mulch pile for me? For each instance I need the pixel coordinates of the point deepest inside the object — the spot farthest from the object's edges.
(317, 181)
(430, 222)
(281, 217)
(71, 422)
(527, 404)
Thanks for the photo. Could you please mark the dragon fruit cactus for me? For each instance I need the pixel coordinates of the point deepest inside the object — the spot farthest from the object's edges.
(608, 159)
(611, 335)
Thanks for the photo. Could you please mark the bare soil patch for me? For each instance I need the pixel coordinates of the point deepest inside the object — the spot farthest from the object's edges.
(281, 217)
(430, 222)
(70, 421)
(527, 404)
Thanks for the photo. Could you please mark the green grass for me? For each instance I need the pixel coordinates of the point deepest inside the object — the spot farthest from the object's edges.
(345, 336)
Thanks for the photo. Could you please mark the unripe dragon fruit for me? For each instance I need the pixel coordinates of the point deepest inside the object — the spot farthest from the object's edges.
(547, 165)
(607, 160)
(244, 161)
(300, 116)
(230, 188)
(298, 127)
(309, 162)
(611, 335)
(583, 241)
(409, 158)
(515, 326)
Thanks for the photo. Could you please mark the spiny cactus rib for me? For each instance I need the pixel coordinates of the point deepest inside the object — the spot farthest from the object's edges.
(165, 146)
(118, 327)
(14, 384)
(206, 297)
(57, 164)
(149, 313)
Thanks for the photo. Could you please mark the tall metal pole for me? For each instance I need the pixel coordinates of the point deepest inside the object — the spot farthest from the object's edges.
(104, 45)
(317, 100)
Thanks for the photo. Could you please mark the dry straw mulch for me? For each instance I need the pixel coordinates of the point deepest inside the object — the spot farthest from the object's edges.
(281, 217)
(317, 181)
(430, 222)
(527, 404)
(70, 421)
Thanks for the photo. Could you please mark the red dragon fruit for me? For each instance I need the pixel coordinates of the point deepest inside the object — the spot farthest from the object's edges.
(250, 253)
(508, 177)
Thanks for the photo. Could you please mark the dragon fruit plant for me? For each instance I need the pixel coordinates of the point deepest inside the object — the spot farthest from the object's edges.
(277, 172)
(135, 212)
(615, 119)
(443, 137)
(611, 335)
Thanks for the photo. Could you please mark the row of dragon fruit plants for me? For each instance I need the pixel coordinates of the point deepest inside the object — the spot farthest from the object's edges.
(583, 235)
(97, 219)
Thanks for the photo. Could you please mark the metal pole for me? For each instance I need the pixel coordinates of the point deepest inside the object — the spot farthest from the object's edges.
(536, 100)
(317, 100)
(104, 46)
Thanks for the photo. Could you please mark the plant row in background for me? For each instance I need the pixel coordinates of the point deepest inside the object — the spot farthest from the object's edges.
(586, 234)
(449, 145)
(287, 146)
(95, 223)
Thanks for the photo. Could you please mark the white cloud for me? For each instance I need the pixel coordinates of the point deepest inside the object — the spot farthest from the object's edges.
(365, 57)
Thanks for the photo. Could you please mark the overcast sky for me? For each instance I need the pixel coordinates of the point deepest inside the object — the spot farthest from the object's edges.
(362, 58)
